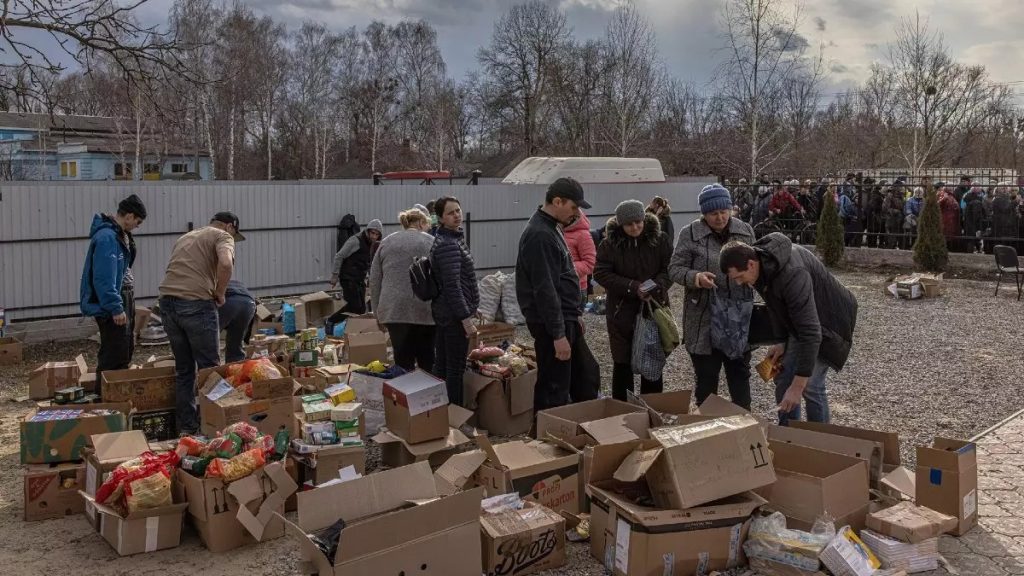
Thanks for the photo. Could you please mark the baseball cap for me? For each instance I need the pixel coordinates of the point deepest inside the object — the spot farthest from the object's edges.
(229, 218)
(569, 189)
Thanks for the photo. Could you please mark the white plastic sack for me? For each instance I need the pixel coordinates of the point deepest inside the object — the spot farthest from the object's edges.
(510, 303)
(490, 295)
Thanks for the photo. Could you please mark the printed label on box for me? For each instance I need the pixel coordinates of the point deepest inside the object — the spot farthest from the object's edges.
(220, 390)
(622, 546)
(970, 503)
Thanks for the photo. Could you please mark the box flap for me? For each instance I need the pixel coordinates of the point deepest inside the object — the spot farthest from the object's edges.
(521, 392)
(637, 464)
(473, 384)
(263, 313)
(83, 368)
(867, 450)
(315, 297)
(619, 428)
(360, 324)
(119, 445)
(715, 405)
(144, 513)
(453, 475)
(250, 488)
(675, 402)
(890, 440)
(902, 480)
(457, 415)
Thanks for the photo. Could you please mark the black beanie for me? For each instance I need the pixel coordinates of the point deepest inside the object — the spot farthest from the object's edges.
(132, 205)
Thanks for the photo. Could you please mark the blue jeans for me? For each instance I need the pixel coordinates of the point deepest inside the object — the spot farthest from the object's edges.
(235, 316)
(815, 394)
(192, 329)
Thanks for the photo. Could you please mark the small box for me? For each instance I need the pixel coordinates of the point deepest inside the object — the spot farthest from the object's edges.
(524, 541)
(318, 397)
(416, 407)
(346, 411)
(306, 358)
(947, 480)
(847, 555)
(910, 523)
(317, 411)
(11, 351)
(66, 395)
(340, 394)
(52, 490)
(145, 530)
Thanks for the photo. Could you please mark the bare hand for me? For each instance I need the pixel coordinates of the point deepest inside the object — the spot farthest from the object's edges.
(705, 280)
(219, 299)
(791, 400)
(121, 319)
(776, 352)
(562, 349)
(469, 327)
(583, 326)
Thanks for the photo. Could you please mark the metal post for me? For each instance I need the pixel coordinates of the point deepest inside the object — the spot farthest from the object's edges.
(377, 177)
(466, 224)
(474, 178)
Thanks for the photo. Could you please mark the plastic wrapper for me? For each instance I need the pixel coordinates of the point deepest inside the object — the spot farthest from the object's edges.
(502, 503)
(490, 295)
(225, 446)
(486, 353)
(518, 365)
(152, 491)
(247, 432)
(510, 302)
(264, 442)
(327, 539)
(281, 440)
(191, 445)
(770, 539)
(236, 468)
(130, 486)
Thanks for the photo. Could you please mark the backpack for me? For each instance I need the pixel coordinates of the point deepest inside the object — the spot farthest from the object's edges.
(347, 228)
(421, 277)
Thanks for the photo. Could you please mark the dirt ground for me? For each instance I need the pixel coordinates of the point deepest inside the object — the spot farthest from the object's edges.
(949, 366)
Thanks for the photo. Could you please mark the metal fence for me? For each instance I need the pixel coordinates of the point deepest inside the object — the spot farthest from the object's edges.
(290, 228)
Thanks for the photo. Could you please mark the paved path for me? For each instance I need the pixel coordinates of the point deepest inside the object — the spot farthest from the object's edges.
(996, 546)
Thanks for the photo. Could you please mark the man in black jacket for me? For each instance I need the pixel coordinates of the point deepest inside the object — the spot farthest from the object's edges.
(548, 291)
(817, 311)
(351, 266)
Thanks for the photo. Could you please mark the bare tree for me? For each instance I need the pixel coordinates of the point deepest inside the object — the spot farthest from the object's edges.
(378, 87)
(267, 87)
(195, 24)
(525, 43)
(576, 81)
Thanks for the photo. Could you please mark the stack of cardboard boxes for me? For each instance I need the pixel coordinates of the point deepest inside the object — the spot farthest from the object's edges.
(330, 428)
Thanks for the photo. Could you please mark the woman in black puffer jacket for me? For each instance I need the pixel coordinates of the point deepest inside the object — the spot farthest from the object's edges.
(455, 308)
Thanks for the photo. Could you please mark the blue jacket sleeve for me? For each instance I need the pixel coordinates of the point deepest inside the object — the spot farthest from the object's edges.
(105, 271)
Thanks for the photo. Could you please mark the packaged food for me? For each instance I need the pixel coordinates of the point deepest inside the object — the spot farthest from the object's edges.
(486, 353)
(247, 432)
(236, 468)
(770, 539)
(192, 445)
(150, 491)
(225, 446)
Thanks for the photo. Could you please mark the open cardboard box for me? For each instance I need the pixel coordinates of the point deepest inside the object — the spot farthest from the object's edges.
(664, 408)
(228, 516)
(141, 531)
(397, 452)
(312, 309)
(269, 409)
(52, 376)
(86, 375)
(324, 464)
(814, 482)
(503, 407)
(416, 407)
(536, 470)
(396, 522)
(635, 539)
(52, 490)
(147, 389)
(11, 351)
(890, 441)
(104, 453)
(947, 480)
(524, 541)
(49, 441)
(867, 450)
(566, 422)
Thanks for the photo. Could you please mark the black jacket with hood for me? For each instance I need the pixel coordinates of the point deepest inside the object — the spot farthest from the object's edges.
(547, 287)
(817, 310)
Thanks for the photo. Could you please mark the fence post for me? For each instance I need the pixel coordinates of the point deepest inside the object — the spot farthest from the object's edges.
(377, 178)
(474, 178)
(467, 224)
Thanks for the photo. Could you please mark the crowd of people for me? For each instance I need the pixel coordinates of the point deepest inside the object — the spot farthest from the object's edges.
(635, 257)
(883, 214)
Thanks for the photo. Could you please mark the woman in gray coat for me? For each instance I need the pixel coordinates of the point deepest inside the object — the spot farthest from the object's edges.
(407, 318)
(694, 264)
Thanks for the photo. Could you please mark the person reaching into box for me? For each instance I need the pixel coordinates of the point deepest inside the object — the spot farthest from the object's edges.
(235, 317)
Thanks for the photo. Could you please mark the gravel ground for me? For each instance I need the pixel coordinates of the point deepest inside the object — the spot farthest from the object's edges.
(948, 366)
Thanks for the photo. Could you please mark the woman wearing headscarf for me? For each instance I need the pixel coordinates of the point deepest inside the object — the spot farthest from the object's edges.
(634, 251)
(695, 266)
(660, 208)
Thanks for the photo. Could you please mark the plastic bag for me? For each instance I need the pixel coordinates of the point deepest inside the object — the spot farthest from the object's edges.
(264, 442)
(327, 539)
(770, 539)
(117, 491)
(192, 446)
(648, 356)
(247, 432)
(510, 302)
(238, 467)
(486, 353)
(263, 369)
(152, 491)
(225, 446)
(490, 295)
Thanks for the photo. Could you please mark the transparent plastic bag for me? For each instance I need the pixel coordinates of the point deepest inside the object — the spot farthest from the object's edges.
(238, 467)
(769, 538)
(151, 491)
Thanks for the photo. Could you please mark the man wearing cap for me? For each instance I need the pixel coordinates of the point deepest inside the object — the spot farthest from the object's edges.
(195, 285)
(107, 291)
(351, 266)
(548, 291)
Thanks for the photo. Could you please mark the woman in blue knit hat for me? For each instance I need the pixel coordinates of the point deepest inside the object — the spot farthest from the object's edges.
(713, 304)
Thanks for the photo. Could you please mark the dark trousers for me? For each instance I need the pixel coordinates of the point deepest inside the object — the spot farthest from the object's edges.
(354, 294)
(450, 348)
(117, 343)
(413, 345)
(192, 328)
(235, 316)
(622, 381)
(554, 376)
(707, 368)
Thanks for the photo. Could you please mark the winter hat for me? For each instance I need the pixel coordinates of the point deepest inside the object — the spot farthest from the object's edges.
(714, 197)
(421, 208)
(375, 224)
(629, 211)
(132, 205)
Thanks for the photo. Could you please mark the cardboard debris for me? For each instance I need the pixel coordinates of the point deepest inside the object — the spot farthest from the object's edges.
(565, 422)
(947, 480)
(146, 389)
(524, 541)
(396, 452)
(52, 490)
(503, 407)
(11, 351)
(895, 555)
(536, 470)
(910, 523)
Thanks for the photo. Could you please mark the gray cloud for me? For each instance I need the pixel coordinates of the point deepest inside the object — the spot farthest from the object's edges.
(819, 23)
(790, 42)
(839, 68)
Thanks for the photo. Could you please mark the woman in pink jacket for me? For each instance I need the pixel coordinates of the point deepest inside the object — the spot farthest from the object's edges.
(582, 249)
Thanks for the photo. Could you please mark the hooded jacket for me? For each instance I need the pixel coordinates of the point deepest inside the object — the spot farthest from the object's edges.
(950, 210)
(623, 263)
(581, 248)
(1004, 218)
(111, 253)
(819, 313)
(547, 288)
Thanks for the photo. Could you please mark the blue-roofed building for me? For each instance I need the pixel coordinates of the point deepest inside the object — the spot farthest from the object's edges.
(58, 147)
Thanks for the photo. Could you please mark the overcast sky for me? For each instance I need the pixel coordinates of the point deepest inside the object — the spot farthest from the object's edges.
(855, 32)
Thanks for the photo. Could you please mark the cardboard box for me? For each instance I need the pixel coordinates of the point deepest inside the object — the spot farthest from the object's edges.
(327, 376)
(664, 408)
(365, 347)
(698, 463)
(142, 531)
(715, 405)
(229, 516)
(565, 422)
(492, 334)
(890, 441)
(395, 523)
(395, 451)
(49, 441)
(104, 453)
(52, 376)
(922, 556)
(270, 409)
(87, 375)
(910, 523)
(847, 555)
(867, 450)
(814, 482)
(146, 389)
(11, 351)
(521, 542)
(312, 309)
(52, 490)
(633, 539)
(947, 480)
(503, 407)
(361, 324)
(536, 470)
(166, 361)
(323, 465)
(416, 407)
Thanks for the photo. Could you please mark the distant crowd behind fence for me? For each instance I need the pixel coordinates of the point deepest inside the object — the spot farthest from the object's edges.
(290, 228)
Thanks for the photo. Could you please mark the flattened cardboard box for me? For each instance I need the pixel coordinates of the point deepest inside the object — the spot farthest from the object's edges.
(814, 482)
(395, 452)
(536, 470)
(49, 441)
(521, 542)
(146, 389)
(50, 377)
(910, 523)
(11, 351)
(565, 421)
(142, 531)
(240, 513)
(947, 480)
(867, 450)
(104, 453)
(702, 462)
(416, 407)
(502, 407)
(52, 491)
(395, 523)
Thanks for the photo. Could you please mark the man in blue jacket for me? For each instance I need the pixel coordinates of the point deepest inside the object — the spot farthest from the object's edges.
(108, 288)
